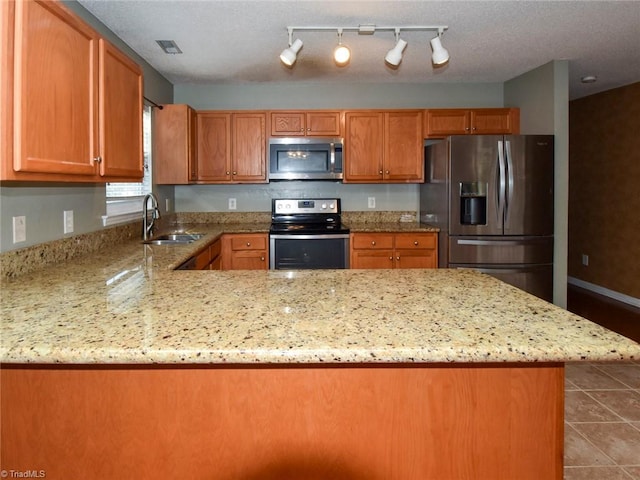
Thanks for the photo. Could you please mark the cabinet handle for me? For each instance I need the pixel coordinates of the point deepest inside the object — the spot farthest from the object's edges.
(97, 159)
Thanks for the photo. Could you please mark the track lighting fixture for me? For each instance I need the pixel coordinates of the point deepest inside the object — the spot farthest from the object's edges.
(440, 54)
(290, 54)
(342, 54)
(394, 56)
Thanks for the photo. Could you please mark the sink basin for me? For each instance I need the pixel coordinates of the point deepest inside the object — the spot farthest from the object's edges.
(174, 239)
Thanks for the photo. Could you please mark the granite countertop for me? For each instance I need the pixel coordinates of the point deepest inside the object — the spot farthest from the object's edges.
(127, 306)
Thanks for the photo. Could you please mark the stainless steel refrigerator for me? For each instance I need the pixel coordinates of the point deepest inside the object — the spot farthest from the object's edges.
(492, 197)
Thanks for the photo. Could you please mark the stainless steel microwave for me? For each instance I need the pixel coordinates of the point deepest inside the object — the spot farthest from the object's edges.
(304, 158)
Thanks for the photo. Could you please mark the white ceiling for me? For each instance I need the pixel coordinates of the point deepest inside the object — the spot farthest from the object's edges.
(238, 41)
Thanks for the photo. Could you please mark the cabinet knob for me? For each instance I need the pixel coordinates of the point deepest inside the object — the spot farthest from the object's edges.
(235, 173)
(373, 242)
(387, 172)
(415, 243)
(248, 244)
(391, 258)
(97, 159)
(262, 259)
(398, 258)
(380, 172)
(228, 173)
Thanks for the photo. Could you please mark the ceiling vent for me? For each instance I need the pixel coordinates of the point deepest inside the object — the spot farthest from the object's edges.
(169, 46)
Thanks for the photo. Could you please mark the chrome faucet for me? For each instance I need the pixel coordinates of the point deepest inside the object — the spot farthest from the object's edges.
(147, 227)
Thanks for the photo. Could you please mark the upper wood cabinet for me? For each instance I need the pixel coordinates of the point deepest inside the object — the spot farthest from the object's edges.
(72, 103)
(480, 121)
(300, 123)
(175, 145)
(121, 87)
(231, 147)
(384, 147)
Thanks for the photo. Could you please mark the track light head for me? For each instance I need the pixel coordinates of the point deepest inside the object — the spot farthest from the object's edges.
(341, 54)
(290, 54)
(394, 56)
(440, 54)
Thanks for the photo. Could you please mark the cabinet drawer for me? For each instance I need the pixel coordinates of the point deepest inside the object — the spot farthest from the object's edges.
(372, 241)
(415, 240)
(249, 242)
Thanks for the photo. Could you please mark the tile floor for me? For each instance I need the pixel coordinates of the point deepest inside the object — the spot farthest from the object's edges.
(602, 421)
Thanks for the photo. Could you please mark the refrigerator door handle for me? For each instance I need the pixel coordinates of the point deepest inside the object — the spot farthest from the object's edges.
(499, 243)
(509, 192)
(501, 182)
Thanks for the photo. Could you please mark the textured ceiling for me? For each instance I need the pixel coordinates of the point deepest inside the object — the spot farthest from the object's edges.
(239, 41)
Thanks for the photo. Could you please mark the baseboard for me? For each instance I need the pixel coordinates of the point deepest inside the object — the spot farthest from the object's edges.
(620, 297)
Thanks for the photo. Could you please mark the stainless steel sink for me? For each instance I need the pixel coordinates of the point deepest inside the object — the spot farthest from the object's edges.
(174, 239)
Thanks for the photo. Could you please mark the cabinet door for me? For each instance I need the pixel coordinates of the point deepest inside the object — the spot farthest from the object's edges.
(120, 115)
(55, 91)
(444, 122)
(214, 147)
(372, 259)
(363, 146)
(249, 159)
(173, 144)
(403, 147)
(495, 121)
(287, 123)
(323, 124)
(416, 259)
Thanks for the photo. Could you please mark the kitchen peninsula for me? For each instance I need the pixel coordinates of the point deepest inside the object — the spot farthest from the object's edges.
(116, 366)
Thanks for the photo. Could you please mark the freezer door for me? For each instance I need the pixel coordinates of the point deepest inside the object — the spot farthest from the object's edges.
(475, 181)
(535, 279)
(500, 250)
(529, 181)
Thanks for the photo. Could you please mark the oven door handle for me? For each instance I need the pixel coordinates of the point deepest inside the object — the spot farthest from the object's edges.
(308, 237)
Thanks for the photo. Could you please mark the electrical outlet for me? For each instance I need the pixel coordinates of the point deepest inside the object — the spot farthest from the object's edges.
(371, 202)
(232, 204)
(585, 259)
(19, 229)
(68, 221)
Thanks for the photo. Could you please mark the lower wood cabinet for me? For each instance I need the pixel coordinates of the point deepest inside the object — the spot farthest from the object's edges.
(246, 251)
(394, 250)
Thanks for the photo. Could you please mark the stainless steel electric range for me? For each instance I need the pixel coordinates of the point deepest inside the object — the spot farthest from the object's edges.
(307, 233)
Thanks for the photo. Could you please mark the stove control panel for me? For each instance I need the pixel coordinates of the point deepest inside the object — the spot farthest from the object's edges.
(288, 206)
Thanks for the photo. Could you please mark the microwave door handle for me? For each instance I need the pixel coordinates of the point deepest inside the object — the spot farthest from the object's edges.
(332, 156)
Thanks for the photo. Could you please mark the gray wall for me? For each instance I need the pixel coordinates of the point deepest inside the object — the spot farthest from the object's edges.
(43, 204)
(543, 97)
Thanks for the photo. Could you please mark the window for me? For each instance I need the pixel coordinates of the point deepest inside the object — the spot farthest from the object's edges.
(124, 200)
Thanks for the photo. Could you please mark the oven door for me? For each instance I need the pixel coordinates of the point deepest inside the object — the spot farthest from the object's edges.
(298, 252)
